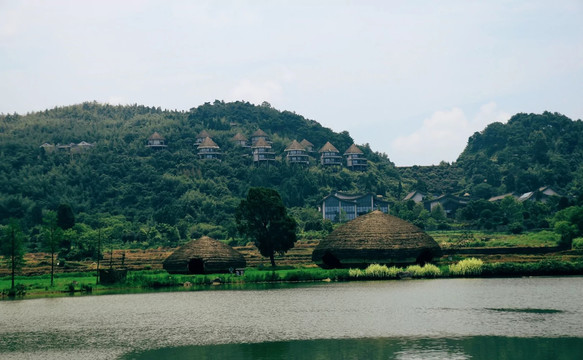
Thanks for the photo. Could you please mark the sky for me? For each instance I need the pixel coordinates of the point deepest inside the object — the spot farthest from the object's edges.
(413, 79)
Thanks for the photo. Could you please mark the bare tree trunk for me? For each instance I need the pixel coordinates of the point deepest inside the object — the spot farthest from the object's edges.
(13, 254)
(98, 254)
(272, 259)
(52, 267)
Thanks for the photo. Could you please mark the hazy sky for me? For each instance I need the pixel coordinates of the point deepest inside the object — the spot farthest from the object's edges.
(413, 79)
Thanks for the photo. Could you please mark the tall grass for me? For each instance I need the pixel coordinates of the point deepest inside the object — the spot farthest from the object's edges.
(427, 271)
(466, 267)
(376, 271)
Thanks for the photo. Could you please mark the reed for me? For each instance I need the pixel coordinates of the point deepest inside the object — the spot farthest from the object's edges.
(466, 267)
(427, 271)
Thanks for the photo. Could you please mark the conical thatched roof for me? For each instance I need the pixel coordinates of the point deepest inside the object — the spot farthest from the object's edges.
(156, 136)
(294, 146)
(204, 255)
(208, 143)
(259, 133)
(203, 134)
(375, 238)
(353, 149)
(261, 143)
(239, 137)
(328, 147)
(306, 143)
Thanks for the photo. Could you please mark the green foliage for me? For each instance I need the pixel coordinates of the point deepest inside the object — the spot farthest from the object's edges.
(12, 247)
(426, 271)
(263, 218)
(568, 223)
(528, 152)
(466, 267)
(376, 271)
(543, 268)
(138, 188)
(578, 243)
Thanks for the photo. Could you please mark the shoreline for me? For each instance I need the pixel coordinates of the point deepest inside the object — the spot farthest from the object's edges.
(152, 281)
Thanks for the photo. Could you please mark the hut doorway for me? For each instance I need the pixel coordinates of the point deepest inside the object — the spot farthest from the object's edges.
(331, 261)
(424, 257)
(196, 266)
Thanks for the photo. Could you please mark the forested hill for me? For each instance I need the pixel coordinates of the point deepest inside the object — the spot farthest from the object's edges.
(169, 195)
(123, 179)
(524, 154)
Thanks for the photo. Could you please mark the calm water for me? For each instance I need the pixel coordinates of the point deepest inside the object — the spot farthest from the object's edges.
(525, 318)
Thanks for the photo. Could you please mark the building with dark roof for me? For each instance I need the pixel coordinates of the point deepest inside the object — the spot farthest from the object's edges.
(342, 206)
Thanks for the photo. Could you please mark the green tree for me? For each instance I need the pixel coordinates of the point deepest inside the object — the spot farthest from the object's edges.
(65, 220)
(263, 218)
(52, 235)
(12, 247)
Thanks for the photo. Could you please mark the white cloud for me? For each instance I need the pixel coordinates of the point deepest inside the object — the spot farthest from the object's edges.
(443, 136)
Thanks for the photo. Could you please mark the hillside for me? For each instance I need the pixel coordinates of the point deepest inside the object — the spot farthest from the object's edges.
(165, 195)
(143, 196)
(528, 152)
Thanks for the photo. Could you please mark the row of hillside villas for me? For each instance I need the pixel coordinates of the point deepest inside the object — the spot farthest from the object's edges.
(340, 206)
(451, 203)
(73, 148)
(262, 153)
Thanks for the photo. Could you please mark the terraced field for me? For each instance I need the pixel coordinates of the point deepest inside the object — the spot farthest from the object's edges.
(151, 259)
(301, 254)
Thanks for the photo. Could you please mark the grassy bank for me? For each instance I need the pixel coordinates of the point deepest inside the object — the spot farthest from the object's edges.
(73, 283)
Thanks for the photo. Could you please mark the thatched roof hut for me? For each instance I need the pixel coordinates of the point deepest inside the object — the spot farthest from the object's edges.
(375, 238)
(203, 256)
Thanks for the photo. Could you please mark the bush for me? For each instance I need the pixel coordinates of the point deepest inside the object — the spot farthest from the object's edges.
(466, 267)
(429, 270)
(578, 243)
(376, 271)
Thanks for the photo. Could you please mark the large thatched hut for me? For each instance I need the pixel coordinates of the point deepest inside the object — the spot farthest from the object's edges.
(203, 256)
(375, 238)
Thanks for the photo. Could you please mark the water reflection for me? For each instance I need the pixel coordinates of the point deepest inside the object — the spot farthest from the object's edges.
(413, 313)
(480, 347)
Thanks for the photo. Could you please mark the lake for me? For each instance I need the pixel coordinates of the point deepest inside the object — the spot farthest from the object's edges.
(518, 318)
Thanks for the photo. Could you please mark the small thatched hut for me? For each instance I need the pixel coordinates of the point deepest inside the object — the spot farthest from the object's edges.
(375, 238)
(203, 256)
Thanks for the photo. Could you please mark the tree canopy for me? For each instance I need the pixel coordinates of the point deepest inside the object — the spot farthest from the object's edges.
(263, 218)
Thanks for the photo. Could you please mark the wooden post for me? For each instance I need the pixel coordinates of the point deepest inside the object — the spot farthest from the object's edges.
(98, 254)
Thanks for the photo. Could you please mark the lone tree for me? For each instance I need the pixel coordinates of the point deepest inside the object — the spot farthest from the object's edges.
(263, 218)
(12, 247)
(65, 220)
(52, 235)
